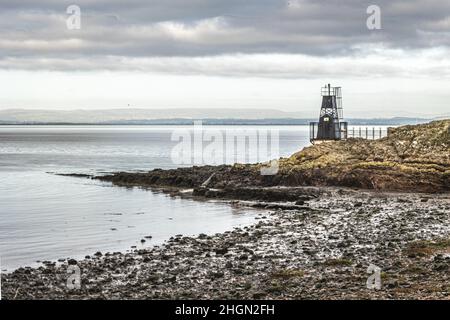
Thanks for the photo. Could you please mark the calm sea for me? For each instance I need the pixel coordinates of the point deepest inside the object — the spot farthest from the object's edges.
(45, 217)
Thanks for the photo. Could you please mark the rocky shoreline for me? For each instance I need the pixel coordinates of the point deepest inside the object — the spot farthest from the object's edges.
(313, 242)
(319, 251)
(410, 159)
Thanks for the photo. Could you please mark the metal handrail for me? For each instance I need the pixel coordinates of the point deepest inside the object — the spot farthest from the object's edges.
(334, 91)
(369, 133)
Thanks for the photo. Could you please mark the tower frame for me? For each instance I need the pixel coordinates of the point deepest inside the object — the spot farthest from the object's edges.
(330, 125)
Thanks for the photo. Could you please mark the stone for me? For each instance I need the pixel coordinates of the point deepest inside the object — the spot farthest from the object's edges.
(72, 262)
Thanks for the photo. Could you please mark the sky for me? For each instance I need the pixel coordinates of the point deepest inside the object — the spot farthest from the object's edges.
(258, 54)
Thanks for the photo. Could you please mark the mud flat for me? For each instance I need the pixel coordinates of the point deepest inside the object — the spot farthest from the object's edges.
(322, 252)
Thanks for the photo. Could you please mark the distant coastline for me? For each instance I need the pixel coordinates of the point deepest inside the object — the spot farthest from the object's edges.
(220, 121)
(187, 116)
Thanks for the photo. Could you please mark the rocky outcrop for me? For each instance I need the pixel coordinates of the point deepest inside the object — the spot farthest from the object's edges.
(412, 158)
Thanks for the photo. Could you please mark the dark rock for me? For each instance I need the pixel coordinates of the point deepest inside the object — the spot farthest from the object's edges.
(221, 251)
(72, 262)
(216, 275)
(258, 295)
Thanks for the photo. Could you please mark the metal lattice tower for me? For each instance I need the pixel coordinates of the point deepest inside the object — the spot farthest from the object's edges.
(330, 125)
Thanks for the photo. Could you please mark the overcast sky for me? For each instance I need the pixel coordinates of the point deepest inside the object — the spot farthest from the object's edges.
(226, 54)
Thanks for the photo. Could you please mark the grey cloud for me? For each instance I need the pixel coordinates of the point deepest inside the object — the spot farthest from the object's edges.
(197, 28)
(383, 64)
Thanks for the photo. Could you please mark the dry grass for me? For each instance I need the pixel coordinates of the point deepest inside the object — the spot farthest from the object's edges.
(338, 262)
(425, 248)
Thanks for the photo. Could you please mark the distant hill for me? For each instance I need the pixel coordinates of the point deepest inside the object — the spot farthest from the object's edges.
(130, 115)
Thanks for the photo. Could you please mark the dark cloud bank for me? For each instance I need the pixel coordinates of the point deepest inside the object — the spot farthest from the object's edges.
(35, 33)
